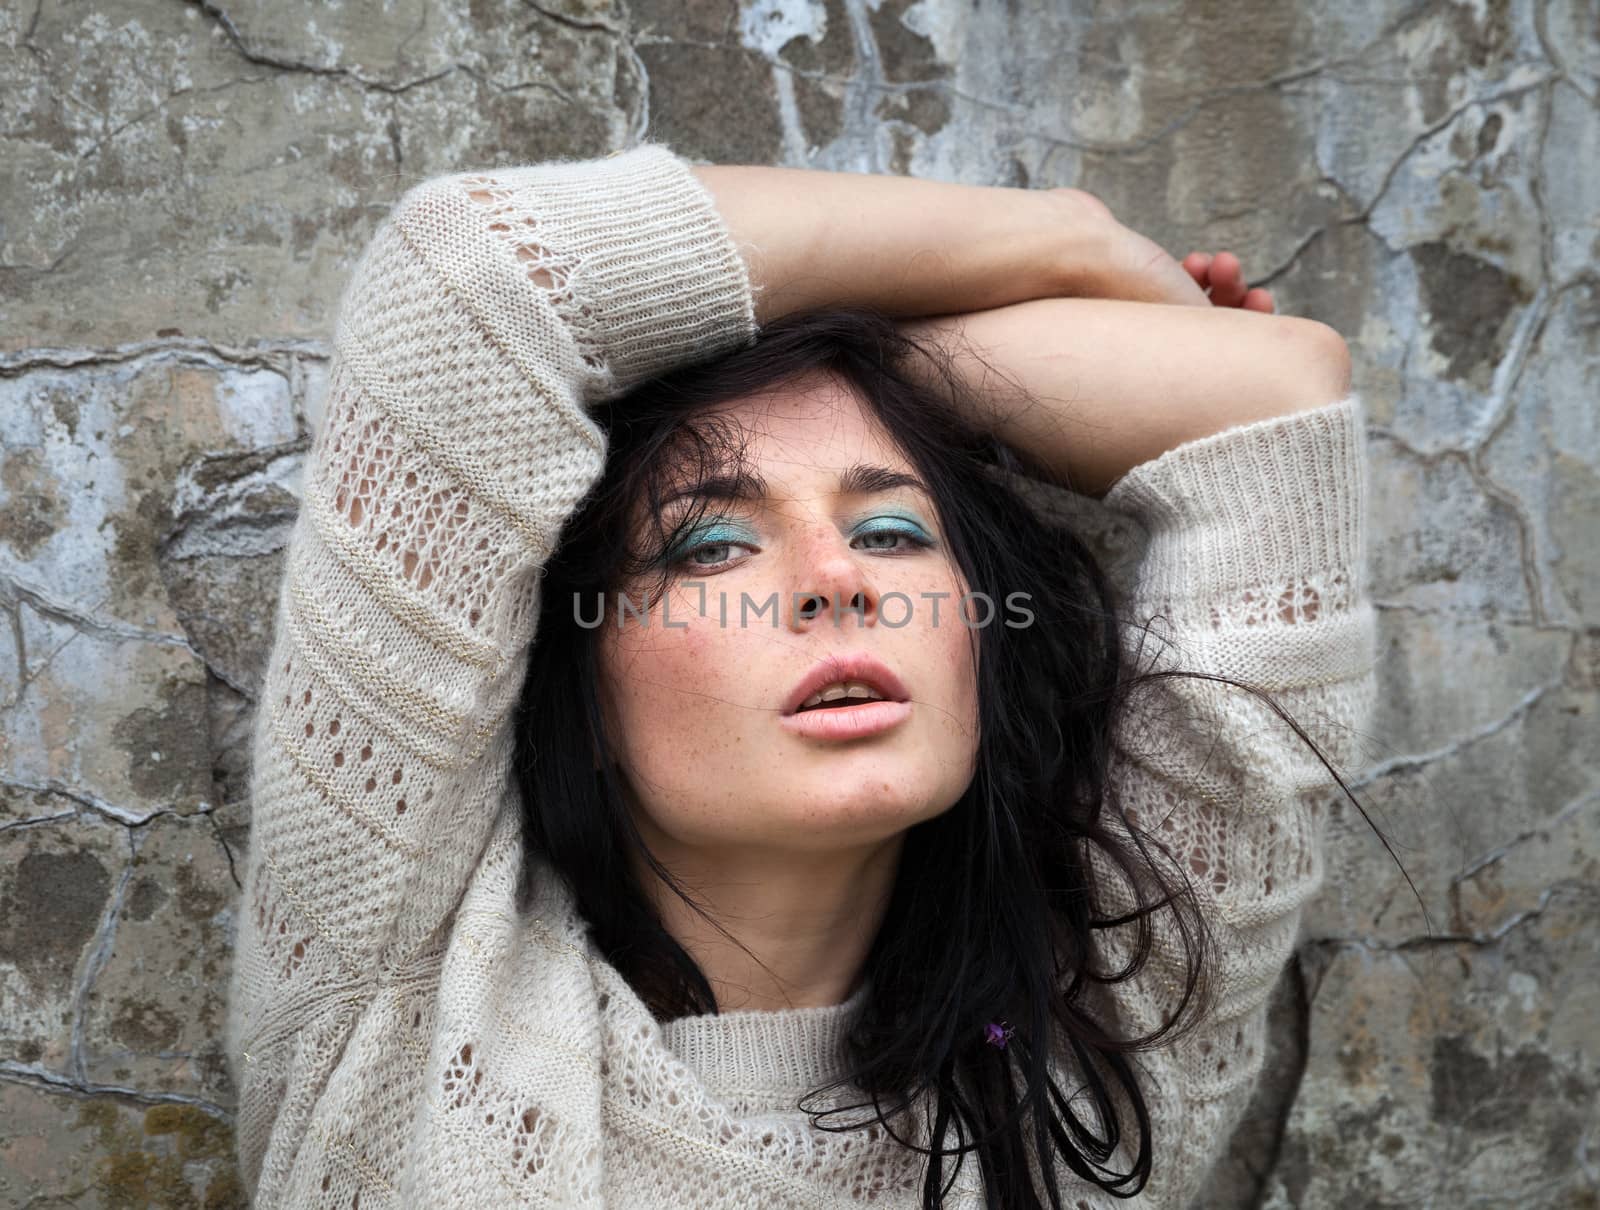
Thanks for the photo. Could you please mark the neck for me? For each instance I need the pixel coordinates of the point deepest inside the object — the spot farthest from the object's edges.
(807, 920)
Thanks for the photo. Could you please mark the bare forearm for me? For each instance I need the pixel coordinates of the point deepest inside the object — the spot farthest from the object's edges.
(1047, 289)
(1107, 384)
(909, 247)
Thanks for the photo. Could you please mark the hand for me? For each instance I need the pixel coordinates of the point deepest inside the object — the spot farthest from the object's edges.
(1222, 277)
(1105, 259)
(1129, 266)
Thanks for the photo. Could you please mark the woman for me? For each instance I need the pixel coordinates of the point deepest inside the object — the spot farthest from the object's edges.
(570, 881)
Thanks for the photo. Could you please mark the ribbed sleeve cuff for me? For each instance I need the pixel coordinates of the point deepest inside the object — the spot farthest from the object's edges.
(651, 258)
(1269, 503)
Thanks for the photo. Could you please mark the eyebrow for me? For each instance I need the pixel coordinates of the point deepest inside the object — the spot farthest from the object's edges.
(860, 479)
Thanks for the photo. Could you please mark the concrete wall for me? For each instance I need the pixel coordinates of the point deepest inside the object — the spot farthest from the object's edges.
(187, 185)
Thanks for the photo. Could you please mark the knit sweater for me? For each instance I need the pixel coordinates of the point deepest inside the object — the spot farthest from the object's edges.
(402, 1035)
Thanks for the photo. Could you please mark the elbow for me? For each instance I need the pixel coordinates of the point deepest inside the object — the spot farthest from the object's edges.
(1322, 364)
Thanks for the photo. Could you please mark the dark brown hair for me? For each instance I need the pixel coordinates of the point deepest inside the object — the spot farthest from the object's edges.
(995, 911)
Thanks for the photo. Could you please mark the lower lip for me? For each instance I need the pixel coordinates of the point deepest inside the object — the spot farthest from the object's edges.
(848, 722)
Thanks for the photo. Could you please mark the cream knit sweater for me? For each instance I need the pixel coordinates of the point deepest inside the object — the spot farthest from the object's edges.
(401, 1035)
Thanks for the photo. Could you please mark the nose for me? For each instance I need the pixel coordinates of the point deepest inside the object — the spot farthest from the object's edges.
(832, 584)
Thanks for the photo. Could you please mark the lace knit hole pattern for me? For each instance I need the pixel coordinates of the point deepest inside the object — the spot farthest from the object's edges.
(519, 229)
(281, 933)
(1298, 600)
(378, 787)
(525, 1132)
(1231, 861)
(450, 550)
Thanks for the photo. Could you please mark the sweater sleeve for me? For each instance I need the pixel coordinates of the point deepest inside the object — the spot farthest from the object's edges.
(1254, 571)
(486, 315)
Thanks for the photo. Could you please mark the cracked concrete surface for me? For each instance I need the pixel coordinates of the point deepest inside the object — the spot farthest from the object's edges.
(190, 182)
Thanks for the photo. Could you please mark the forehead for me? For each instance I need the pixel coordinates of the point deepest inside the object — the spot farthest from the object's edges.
(811, 427)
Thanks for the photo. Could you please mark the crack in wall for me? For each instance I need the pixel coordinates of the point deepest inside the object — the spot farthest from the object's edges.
(392, 128)
(857, 125)
(1547, 106)
(1478, 864)
(31, 1076)
(1181, 121)
(99, 954)
(227, 850)
(138, 118)
(19, 645)
(574, 22)
(1469, 458)
(271, 355)
(245, 51)
(98, 806)
(14, 590)
(1427, 132)
(1574, 887)
(1541, 22)
(1417, 760)
(37, 821)
(33, 28)
(1363, 216)
(641, 120)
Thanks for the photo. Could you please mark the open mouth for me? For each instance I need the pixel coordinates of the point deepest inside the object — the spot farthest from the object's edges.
(841, 697)
(847, 710)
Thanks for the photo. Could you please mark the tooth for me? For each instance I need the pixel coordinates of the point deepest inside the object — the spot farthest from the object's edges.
(833, 693)
(858, 690)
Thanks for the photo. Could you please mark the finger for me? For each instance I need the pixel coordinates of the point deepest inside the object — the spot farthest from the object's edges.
(1227, 281)
(1258, 299)
(1198, 265)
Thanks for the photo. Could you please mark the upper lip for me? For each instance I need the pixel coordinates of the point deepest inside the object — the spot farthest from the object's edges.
(851, 666)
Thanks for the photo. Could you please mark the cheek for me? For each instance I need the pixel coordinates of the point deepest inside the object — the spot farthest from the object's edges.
(682, 698)
(952, 653)
(947, 645)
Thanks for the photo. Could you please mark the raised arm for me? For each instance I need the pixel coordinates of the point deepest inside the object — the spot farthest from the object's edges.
(488, 311)
(1106, 384)
(1112, 335)
(1230, 437)
(1254, 570)
(912, 247)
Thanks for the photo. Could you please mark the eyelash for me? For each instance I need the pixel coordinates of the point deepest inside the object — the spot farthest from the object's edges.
(918, 542)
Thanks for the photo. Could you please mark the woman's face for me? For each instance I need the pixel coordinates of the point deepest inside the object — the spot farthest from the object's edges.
(698, 688)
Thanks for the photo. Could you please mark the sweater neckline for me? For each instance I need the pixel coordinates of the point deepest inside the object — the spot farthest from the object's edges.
(765, 1053)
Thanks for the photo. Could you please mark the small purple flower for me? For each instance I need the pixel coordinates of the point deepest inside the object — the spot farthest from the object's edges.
(997, 1033)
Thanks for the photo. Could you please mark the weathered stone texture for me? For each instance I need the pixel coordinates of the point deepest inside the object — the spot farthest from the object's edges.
(188, 185)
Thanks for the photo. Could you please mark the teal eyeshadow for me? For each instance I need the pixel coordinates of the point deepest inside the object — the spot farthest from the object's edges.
(867, 526)
(712, 533)
(722, 532)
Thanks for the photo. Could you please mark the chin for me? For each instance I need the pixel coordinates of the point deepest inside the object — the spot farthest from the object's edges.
(846, 810)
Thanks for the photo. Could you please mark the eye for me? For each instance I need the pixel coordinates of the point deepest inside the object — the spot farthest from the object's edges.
(871, 541)
(709, 547)
(692, 557)
(889, 533)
